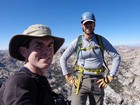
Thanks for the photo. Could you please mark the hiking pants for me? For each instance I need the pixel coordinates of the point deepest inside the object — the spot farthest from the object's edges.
(88, 90)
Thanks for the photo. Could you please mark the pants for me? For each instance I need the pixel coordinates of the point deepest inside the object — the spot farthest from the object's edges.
(89, 88)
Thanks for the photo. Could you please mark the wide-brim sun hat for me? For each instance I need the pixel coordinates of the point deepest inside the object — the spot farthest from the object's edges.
(33, 31)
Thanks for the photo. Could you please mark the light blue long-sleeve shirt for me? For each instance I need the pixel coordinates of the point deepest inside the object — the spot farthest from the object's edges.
(91, 59)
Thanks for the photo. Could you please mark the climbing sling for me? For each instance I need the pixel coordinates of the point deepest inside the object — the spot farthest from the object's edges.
(81, 69)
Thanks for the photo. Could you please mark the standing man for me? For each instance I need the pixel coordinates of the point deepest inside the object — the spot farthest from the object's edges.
(89, 69)
(29, 86)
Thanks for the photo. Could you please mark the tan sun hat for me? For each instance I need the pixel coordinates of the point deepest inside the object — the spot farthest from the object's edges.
(33, 31)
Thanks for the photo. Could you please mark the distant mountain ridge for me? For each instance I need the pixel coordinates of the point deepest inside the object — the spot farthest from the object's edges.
(125, 89)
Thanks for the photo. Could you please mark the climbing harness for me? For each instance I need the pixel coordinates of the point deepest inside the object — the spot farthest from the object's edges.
(80, 74)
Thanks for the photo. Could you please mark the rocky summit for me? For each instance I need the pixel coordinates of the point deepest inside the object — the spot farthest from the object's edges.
(124, 90)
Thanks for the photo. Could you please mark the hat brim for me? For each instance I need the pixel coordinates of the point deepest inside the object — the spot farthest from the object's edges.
(87, 21)
(19, 39)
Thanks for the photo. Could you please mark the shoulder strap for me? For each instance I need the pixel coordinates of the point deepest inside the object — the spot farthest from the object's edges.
(78, 47)
(99, 40)
(79, 44)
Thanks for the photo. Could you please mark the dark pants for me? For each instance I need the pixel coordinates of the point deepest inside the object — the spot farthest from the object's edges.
(89, 88)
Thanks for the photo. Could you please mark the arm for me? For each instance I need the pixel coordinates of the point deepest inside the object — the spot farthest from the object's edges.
(65, 56)
(115, 63)
(116, 59)
(64, 59)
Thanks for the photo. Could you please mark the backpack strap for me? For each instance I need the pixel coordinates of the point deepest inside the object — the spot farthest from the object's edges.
(99, 40)
(78, 48)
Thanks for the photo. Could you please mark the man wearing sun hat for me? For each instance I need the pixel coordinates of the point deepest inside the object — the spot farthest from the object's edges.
(36, 47)
(88, 80)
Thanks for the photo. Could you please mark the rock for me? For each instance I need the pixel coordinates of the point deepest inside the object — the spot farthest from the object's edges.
(124, 90)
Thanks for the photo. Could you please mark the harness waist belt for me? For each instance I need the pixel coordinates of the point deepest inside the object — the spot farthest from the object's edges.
(95, 71)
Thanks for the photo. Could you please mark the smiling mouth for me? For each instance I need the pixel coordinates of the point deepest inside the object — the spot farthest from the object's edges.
(89, 29)
(44, 58)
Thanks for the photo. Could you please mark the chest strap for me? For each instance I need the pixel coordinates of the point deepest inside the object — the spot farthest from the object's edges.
(89, 48)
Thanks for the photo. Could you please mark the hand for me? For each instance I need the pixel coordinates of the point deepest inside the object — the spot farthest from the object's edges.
(71, 80)
(103, 83)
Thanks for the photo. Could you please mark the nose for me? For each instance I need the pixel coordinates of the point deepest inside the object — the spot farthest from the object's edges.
(46, 51)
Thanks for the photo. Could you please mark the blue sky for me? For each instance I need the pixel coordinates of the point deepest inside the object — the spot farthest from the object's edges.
(116, 20)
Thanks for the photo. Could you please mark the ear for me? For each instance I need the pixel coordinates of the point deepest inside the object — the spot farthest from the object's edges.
(82, 26)
(94, 24)
(23, 51)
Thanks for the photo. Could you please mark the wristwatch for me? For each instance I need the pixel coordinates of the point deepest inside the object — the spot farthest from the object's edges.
(112, 75)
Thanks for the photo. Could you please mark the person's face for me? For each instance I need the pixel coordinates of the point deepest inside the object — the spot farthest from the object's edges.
(40, 53)
(88, 27)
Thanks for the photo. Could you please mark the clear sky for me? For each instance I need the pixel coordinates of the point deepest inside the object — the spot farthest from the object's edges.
(116, 20)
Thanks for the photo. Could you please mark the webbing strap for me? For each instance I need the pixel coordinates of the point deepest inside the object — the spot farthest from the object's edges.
(90, 48)
(78, 48)
(95, 71)
(80, 75)
(99, 40)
